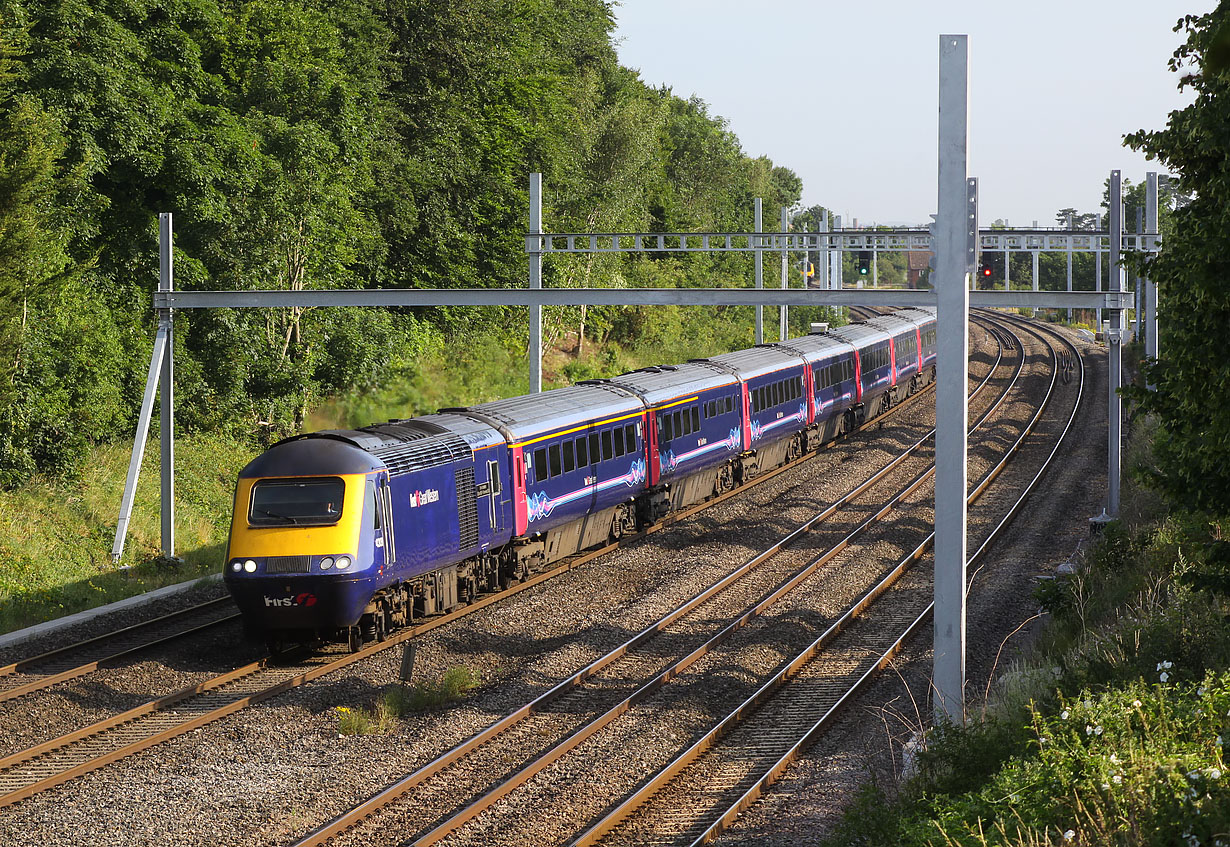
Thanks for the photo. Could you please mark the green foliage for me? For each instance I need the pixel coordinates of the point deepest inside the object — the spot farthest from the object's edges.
(1191, 272)
(396, 701)
(304, 144)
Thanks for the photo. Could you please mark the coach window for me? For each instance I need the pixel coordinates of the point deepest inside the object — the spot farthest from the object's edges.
(569, 458)
(593, 447)
(540, 464)
(630, 437)
(553, 453)
(582, 452)
(677, 423)
(668, 432)
(695, 419)
(619, 442)
(607, 452)
(730, 404)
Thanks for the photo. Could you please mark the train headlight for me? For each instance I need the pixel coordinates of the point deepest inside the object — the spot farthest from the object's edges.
(326, 563)
(236, 566)
(342, 563)
(249, 566)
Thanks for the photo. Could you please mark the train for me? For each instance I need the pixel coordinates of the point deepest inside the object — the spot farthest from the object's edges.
(345, 535)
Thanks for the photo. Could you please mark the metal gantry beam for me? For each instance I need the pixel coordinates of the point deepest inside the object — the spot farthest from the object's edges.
(772, 297)
(898, 240)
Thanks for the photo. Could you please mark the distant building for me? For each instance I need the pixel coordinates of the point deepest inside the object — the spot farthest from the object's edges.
(918, 268)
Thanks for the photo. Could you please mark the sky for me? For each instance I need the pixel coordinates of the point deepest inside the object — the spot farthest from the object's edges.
(845, 93)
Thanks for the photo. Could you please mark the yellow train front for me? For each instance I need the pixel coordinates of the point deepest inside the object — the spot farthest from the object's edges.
(307, 548)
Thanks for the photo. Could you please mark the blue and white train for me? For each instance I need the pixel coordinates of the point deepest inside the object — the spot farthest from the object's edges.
(346, 534)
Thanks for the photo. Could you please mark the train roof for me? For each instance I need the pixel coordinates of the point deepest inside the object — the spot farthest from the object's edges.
(815, 348)
(894, 323)
(518, 418)
(860, 334)
(756, 361)
(317, 454)
(662, 383)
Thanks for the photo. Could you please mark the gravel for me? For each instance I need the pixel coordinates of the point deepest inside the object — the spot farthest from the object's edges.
(271, 773)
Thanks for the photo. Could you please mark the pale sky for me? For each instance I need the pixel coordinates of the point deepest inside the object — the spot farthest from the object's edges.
(845, 93)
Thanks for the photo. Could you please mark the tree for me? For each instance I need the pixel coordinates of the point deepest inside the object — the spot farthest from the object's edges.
(1192, 273)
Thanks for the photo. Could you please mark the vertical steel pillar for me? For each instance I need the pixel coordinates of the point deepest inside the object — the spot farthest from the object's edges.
(825, 259)
(956, 233)
(837, 281)
(784, 313)
(875, 264)
(1137, 282)
(1035, 271)
(1007, 266)
(157, 369)
(534, 244)
(166, 421)
(1151, 345)
(1114, 347)
(1097, 271)
(756, 209)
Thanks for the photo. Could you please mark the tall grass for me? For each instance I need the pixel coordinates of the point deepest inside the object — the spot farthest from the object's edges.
(56, 536)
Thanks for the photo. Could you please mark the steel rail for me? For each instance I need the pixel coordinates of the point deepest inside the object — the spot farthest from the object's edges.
(401, 787)
(771, 688)
(42, 775)
(65, 663)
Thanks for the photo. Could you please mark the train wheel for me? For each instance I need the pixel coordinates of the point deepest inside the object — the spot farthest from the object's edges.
(354, 639)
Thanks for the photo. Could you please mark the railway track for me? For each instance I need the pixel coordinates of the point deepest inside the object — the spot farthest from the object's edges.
(540, 734)
(40, 672)
(59, 760)
(700, 792)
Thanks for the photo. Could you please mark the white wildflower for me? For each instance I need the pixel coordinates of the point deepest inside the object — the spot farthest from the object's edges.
(1069, 835)
(1114, 760)
(1106, 786)
(1088, 704)
(1214, 773)
(1136, 703)
(1117, 779)
(1165, 676)
(1088, 729)
(1201, 690)
(1097, 730)
(1064, 714)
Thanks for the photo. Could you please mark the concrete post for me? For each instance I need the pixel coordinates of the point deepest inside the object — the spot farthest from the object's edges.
(1097, 271)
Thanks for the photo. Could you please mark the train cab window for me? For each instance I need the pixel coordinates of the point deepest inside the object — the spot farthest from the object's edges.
(296, 502)
(569, 457)
(630, 437)
(619, 443)
(369, 506)
(553, 454)
(695, 419)
(607, 452)
(540, 464)
(582, 452)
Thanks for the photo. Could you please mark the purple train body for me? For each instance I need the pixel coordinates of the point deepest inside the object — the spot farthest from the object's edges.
(346, 534)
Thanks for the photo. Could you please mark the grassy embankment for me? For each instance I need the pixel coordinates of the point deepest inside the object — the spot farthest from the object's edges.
(56, 535)
(1113, 732)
